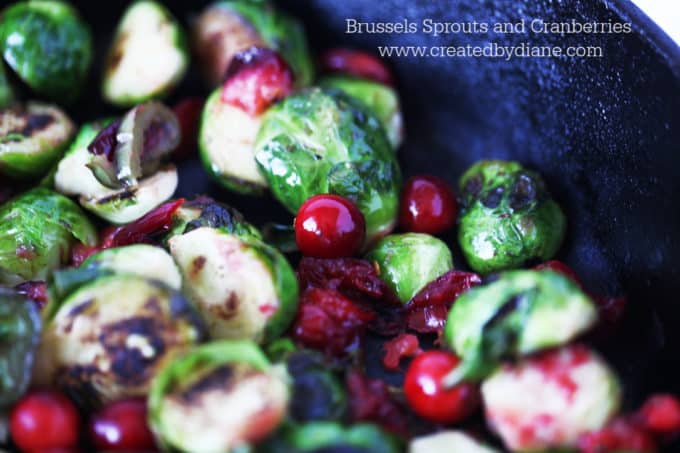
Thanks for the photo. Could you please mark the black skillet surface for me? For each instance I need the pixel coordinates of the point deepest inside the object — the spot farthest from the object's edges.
(605, 133)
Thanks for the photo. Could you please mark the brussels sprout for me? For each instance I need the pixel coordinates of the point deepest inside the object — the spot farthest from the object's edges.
(227, 27)
(321, 142)
(110, 337)
(569, 391)
(520, 313)
(6, 89)
(226, 145)
(244, 288)
(316, 435)
(37, 230)
(407, 262)
(148, 56)
(48, 46)
(508, 217)
(188, 399)
(32, 138)
(19, 335)
(380, 98)
(448, 441)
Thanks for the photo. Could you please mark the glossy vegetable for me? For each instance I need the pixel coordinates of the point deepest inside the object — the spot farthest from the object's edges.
(518, 314)
(314, 436)
(48, 46)
(408, 262)
(37, 230)
(448, 441)
(148, 56)
(508, 217)
(244, 288)
(188, 398)
(316, 142)
(32, 138)
(7, 94)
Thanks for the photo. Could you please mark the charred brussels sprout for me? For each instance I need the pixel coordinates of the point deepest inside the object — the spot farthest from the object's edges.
(111, 336)
(148, 56)
(244, 288)
(407, 262)
(520, 313)
(188, 399)
(32, 138)
(37, 230)
(19, 335)
(448, 441)
(381, 99)
(227, 27)
(317, 142)
(314, 436)
(48, 46)
(508, 217)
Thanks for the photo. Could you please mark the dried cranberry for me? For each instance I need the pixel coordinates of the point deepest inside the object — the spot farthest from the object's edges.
(35, 291)
(619, 435)
(404, 345)
(661, 414)
(144, 229)
(429, 319)
(80, 252)
(105, 142)
(356, 63)
(188, 112)
(428, 205)
(370, 400)
(560, 267)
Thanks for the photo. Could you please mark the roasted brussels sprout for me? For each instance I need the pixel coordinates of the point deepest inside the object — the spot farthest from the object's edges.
(310, 437)
(32, 138)
(407, 262)
(518, 314)
(48, 46)
(569, 392)
(148, 56)
(229, 26)
(6, 89)
(448, 441)
(108, 338)
(317, 142)
(37, 230)
(19, 336)
(188, 399)
(380, 98)
(508, 217)
(244, 288)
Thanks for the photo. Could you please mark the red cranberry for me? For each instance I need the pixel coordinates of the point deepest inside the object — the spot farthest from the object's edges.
(428, 205)
(122, 426)
(618, 436)
(329, 226)
(80, 252)
(370, 400)
(427, 395)
(44, 420)
(356, 63)
(560, 268)
(188, 112)
(661, 414)
(404, 345)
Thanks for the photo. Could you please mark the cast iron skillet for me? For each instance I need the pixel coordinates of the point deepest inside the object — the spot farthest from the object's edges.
(605, 133)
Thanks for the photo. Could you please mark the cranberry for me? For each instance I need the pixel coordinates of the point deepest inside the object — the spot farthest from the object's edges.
(661, 414)
(371, 400)
(106, 141)
(256, 78)
(122, 426)
(428, 205)
(329, 226)
(560, 268)
(35, 291)
(44, 420)
(426, 394)
(356, 63)
(188, 112)
(619, 435)
(80, 252)
(140, 231)
(404, 345)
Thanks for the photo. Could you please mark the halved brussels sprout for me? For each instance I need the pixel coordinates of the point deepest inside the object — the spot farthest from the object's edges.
(244, 288)
(229, 26)
(111, 336)
(380, 98)
(226, 144)
(317, 142)
(148, 56)
(550, 400)
(48, 46)
(32, 138)
(508, 217)
(407, 262)
(218, 398)
(37, 230)
(448, 441)
(314, 436)
(518, 314)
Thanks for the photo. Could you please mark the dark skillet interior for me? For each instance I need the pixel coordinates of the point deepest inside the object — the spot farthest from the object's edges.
(604, 132)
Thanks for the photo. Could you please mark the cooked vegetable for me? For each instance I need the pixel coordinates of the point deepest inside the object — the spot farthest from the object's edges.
(48, 46)
(229, 26)
(6, 89)
(314, 436)
(317, 142)
(407, 262)
(508, 217)
(188, 399)
(448, 441)
(518, 314)
(148, 56)
(550, 400)
(32, 138)
(381, 99)
(19, 335)
(37, 230)
(244, 288)
(108, 338)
